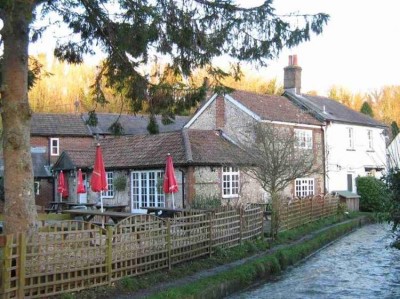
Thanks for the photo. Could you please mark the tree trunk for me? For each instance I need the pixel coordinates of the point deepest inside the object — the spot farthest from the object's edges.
(19, 210)
(275, 198)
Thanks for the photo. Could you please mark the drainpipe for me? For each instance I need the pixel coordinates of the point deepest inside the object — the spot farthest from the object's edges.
(183, 188)
(325, 162)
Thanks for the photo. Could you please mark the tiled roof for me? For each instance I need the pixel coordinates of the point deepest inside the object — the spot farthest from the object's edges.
(48, 124)
(274, 108)
(145, 151)
(329, 109)
(208, 147)
(45, 124)
(134, 124)
(39, 164)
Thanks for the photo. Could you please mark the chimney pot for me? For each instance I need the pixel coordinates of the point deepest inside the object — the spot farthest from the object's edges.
(290, 60)
(294, 59)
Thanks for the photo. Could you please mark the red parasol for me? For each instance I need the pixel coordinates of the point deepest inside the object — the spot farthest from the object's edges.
(98, 181)
(80, 187)
(170, 185)
(62, 186)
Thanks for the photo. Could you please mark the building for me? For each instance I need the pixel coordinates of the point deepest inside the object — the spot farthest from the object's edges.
(201, 168)
(394, 153)
(235, 115)
(355, 144)
(52, 134)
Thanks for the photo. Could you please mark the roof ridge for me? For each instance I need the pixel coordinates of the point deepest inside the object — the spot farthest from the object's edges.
(187, 145)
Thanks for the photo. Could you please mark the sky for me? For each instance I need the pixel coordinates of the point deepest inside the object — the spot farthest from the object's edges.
(358, 50)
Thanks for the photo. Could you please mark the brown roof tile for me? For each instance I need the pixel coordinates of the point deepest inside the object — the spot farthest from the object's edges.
(208, 147)
(44, 124)
(144, 151)
(274, 108)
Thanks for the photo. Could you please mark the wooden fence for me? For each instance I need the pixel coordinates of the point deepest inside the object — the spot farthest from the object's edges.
(69, 256)
(298, 212)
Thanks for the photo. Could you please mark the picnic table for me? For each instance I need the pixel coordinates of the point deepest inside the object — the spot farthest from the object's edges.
(55, 207)
(112, 207)
(167, 212)
(58, 206)
(88, 215)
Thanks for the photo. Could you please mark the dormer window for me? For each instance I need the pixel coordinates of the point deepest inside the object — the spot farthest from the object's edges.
(303, 139)
(54, 146)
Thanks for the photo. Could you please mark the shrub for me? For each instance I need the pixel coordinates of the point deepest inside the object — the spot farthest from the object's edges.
(206, 202)
(374, 194)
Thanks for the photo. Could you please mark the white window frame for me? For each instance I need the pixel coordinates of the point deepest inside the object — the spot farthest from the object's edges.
(230, 182)
(370, 138)
(304, 138)
(55, 149)
(147, 189)
(37, 187)
(304, 187)
(350, 138)
(110, 185)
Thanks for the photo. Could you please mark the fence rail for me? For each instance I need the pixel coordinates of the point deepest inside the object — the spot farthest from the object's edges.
(301, 211)
(71, 255)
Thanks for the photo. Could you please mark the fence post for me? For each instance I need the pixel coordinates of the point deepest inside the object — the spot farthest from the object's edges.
(312, 210)
(169, 245)
(301, 212)
(109, 253)
(21, 265)
(241, 224)
(6, 264)
(211, 232)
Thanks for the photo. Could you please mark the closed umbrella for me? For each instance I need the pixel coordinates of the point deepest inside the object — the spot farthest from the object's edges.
(169, 184)
(80, 187)
(62, 186)
(98, 181)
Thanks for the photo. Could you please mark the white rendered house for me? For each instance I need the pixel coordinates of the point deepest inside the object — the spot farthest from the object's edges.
(394, 153)
(355, 144)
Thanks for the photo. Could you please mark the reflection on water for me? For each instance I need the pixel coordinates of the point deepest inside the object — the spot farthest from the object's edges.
(360, 265)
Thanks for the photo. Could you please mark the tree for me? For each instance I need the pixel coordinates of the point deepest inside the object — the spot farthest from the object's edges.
(366, 109)
(189, 33)
(278, 161)
(395, 128)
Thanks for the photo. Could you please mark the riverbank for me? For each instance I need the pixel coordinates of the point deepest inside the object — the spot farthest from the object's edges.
(233, 277)
(241, 267)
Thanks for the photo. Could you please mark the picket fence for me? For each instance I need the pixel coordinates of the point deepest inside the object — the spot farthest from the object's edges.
(69, 256)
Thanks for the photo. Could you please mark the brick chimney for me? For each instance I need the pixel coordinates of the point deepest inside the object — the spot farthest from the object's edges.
(292, 75)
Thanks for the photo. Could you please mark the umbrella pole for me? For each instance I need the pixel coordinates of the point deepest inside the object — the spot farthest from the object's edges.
(173, 201)
(101, 209)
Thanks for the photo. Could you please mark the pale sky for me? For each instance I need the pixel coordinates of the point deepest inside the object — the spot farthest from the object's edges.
(359, 48)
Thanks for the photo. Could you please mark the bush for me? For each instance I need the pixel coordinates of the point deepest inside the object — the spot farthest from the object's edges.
(374, 194)
(206, 202)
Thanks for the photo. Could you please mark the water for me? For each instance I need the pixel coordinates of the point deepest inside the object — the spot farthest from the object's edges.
(360, 265)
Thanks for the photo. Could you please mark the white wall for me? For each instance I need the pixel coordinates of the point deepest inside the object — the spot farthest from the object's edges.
(341, 160)
(394, 153)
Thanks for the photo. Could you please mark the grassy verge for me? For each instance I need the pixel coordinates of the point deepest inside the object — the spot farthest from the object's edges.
(271, 264)
(236, 279)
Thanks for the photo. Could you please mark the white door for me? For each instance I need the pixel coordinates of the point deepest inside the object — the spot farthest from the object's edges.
(146, 190)
(82, 197)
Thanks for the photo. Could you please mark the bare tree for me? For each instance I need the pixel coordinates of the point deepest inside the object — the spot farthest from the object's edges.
(279, 158)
